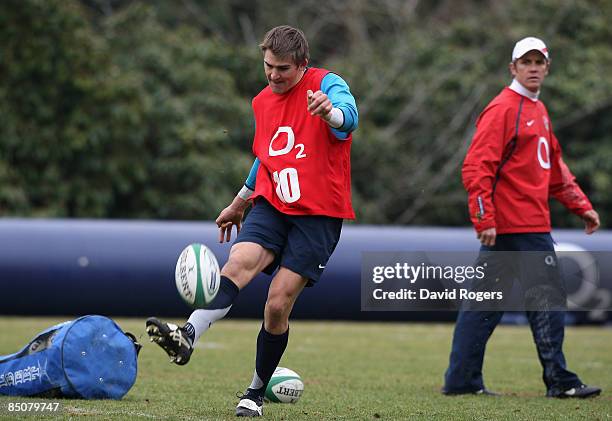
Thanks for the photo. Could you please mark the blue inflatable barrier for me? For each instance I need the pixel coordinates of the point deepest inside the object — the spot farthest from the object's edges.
(126, 268)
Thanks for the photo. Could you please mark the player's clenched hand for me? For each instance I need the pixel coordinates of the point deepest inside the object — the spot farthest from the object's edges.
(319, 104)
(487, 237)
(229, 217)
(591, 221)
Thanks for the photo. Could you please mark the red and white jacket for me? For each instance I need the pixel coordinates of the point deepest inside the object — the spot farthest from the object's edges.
(514, 165)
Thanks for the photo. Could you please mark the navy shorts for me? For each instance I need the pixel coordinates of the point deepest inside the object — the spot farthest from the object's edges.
(300, 243)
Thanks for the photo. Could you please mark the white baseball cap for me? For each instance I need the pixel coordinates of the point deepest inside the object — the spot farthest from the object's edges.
(529, 44)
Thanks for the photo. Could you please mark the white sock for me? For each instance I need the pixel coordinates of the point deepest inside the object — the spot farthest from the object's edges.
(257, 383)
(202, 319)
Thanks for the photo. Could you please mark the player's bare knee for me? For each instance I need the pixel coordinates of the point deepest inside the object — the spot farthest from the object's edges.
(276, 318)
(277, 308)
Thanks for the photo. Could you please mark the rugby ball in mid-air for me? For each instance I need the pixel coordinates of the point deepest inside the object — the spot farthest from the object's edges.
(197, 275)
(285, 386)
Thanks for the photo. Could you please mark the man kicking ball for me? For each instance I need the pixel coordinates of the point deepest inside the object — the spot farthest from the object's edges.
(299, 186)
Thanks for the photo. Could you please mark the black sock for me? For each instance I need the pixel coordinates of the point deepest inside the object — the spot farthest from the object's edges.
(228, 291)
(270, 349)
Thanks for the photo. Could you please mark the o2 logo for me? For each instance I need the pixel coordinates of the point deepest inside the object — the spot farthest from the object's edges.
(287, 180)
(543, 157)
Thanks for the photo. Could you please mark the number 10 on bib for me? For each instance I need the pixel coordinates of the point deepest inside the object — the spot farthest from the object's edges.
(287, 185)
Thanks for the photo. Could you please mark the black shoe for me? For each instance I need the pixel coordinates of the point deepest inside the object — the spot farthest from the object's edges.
(249, 406)
(582, 391)
(173, 339)
(485, 392)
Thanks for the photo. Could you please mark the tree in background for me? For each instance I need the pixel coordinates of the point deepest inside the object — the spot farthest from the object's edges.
(126, 119)
(131, 108)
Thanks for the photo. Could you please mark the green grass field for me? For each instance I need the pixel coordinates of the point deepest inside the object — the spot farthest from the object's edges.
(351, 371)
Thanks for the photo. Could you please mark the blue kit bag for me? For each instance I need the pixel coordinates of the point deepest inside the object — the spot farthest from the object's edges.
(88, 358)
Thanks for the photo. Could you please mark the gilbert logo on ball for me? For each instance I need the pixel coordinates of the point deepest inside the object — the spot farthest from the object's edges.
(285, 386)
(197, 275)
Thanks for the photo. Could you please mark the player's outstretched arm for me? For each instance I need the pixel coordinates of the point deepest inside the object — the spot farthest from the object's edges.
(233, 214)
(344, 115)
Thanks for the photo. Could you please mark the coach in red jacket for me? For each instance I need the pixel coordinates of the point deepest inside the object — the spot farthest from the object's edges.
(512, 168)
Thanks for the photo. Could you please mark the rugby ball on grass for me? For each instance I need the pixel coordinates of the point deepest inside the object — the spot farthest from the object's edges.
(285, 386)
(197, 275)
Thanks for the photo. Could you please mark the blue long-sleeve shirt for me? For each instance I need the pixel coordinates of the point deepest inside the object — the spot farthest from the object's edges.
(338, 92)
